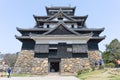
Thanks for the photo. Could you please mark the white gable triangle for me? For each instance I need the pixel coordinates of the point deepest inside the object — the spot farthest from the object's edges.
(60, 16)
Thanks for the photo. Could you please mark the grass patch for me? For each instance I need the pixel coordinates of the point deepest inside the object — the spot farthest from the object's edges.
(5, 74)
(99, 75)
(111, 76)
(114, 77)
(20, 75)
(84, 76)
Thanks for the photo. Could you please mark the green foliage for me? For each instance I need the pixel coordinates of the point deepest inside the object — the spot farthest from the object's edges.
(112, 52)
(114, 77)
(10, 59)
(83, 70)
(101, 67)
(92, 67)
(93, 75)
(110, 65)
(103, 74)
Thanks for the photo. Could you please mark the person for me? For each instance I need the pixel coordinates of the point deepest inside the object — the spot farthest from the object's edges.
(118, 63)
(9, 71)
(100, 62)
(95, 63)
(0, 74)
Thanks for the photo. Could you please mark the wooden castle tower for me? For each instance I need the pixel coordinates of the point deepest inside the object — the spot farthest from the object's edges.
(59, 42)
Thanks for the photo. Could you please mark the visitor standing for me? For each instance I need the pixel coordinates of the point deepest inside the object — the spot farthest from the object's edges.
(9, 71)
(96, 63)
(118, 62)
(100, 62)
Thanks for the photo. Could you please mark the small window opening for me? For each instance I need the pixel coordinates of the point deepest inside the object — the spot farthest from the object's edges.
(68, 12)
(60, 18)
(48, 26)
(72, 26)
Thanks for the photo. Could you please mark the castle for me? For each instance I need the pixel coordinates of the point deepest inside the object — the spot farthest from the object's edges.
(59, 42)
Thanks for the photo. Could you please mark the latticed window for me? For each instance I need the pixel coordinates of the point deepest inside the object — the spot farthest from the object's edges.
(42, 48)
(69, 49)
(79, 48)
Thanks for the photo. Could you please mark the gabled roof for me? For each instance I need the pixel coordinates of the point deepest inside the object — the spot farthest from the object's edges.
(32, 29)
(84, 18)
(22, 37)
(61, 24)
(97, 39)
(79, 17)
(89, 29)
(40, 17)
(63, 8)
(60, 13)
(48, 19)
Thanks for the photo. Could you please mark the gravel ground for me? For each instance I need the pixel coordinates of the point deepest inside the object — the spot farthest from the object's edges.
(42, 78)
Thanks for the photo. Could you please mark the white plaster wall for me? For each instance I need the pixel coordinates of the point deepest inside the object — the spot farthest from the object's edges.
(53, 25)
(56, 19)
(60, 41)
(69, 25)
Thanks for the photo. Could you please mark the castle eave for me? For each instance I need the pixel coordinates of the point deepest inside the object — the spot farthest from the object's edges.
(32, 29)
(90, 29)
(97, 39)
(22, 37)
(58, 38)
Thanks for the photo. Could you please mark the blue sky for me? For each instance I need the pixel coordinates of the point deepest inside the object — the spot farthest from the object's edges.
(19, 13)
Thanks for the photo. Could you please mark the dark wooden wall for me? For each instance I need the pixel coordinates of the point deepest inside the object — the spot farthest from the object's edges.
(93, 45)
(28, 45)
(61, 52)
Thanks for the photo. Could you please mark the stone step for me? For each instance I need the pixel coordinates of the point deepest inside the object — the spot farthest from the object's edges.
(54, 74)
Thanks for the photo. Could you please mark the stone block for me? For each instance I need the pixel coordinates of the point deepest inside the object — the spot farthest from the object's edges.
(24, 62)
(40, 66)
(94, 56)
(72, 65)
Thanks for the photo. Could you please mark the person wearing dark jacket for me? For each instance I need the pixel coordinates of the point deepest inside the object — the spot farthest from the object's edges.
(9, 71)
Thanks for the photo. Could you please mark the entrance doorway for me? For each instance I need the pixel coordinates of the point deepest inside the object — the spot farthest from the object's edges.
(54, 67)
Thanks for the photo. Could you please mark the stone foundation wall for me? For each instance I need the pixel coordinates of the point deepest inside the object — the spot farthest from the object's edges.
(71, 66)
(40, 66)
(94, 56)
(24, 62)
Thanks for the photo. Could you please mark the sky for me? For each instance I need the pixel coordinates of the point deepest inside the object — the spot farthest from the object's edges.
(19, 13)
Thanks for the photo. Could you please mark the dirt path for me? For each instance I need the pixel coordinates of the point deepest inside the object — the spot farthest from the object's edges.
(42, 78)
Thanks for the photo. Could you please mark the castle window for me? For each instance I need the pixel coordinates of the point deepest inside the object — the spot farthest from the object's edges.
(60, 18)
(69, 49)
(48, 25)
(72, 26)
(68, 12)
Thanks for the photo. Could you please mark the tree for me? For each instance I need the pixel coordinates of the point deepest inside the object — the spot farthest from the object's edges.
(1, 56)
(112, 51)
(10, 59)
